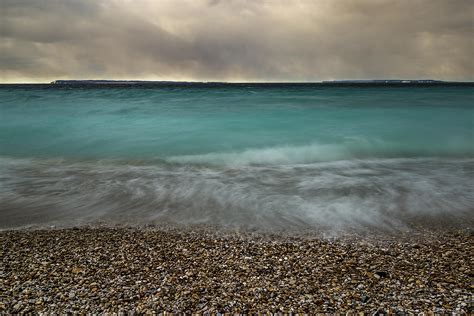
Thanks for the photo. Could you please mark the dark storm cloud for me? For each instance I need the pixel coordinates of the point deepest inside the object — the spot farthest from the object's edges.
(236, 39)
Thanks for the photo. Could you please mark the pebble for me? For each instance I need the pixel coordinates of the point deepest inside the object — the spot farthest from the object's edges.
(381, 274)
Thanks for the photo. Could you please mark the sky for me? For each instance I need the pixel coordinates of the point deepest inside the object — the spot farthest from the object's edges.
(236, 40)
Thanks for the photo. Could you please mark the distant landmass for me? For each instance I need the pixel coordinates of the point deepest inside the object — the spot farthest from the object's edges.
(118, 82)
(377, 82)
(429, 81)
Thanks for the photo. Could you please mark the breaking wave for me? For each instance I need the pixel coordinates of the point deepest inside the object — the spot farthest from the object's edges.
(353, 148)
(267, 156)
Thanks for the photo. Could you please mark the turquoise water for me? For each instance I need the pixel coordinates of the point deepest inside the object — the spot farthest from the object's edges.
(245, 156)
(237, 125)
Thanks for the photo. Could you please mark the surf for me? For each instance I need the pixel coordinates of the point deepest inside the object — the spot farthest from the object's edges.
(379, 194)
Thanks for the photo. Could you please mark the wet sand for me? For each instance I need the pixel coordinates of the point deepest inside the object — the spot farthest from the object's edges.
(110, 270)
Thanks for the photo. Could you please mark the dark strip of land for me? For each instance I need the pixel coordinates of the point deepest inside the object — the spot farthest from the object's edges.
(67, 84)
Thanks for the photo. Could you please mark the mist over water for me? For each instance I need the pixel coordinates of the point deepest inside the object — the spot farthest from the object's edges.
(245, 158)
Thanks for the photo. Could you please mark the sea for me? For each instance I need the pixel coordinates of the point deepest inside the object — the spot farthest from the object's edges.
(274, 157)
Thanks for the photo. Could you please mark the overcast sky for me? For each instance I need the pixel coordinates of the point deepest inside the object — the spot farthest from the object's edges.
(236, 40)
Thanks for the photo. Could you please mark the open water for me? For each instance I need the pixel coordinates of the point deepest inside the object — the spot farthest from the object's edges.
(245, 157)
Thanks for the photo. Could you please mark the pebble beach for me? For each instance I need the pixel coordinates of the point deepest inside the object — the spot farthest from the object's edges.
(131, 270)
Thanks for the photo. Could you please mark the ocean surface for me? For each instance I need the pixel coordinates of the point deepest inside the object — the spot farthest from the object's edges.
(241, 157)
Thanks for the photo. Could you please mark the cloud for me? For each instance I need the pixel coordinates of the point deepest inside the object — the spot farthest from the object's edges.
(236, 39)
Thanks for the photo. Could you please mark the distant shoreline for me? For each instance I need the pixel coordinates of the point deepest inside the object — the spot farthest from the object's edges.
(376, 81)
(212, 84)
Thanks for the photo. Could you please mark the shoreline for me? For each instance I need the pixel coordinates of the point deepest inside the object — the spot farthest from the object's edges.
(110, 270)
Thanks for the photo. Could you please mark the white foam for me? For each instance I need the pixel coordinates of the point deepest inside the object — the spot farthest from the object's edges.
(360, 194)
(268, 156)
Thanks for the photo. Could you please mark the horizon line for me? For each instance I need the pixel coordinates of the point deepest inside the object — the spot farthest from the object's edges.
(242, 82)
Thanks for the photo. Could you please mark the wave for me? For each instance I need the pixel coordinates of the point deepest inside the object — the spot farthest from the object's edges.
(352, 148)
(272, 156)
(358, 194)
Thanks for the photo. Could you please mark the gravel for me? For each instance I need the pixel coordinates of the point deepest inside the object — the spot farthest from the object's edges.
(119, 270)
